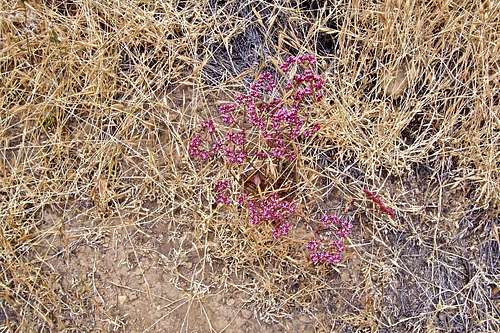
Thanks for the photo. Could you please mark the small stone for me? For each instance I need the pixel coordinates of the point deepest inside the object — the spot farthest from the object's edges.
(122, 299)
(133, 297)
(247, 314)
(219, 298)
(304, 319)
(230, 302)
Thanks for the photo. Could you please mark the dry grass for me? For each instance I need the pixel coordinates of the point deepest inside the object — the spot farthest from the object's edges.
(99, 98)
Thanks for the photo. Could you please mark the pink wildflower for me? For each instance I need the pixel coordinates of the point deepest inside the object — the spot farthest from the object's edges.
(281, 230)
(326, 251)
(221, 189)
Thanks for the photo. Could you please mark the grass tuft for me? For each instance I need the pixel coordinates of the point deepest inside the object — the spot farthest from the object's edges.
(107, 224)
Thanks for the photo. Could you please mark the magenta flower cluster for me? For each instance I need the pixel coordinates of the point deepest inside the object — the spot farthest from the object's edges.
(265, 121)
(204, 144)
(273, 210)
(222, 191)
(329, 248)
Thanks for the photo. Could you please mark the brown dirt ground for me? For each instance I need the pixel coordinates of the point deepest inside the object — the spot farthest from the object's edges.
(136, 280)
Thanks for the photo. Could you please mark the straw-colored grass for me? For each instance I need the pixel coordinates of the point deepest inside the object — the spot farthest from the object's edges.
(99, 198)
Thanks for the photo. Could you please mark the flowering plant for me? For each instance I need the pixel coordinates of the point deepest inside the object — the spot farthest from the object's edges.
(264, 122)
(330, 246)
(260, 129)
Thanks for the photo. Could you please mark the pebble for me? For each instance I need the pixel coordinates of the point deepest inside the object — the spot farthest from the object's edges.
(247, 314)
(122, 299)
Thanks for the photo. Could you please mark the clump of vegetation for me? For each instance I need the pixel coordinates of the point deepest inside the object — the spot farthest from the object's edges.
(262, 132)
(132, 200)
